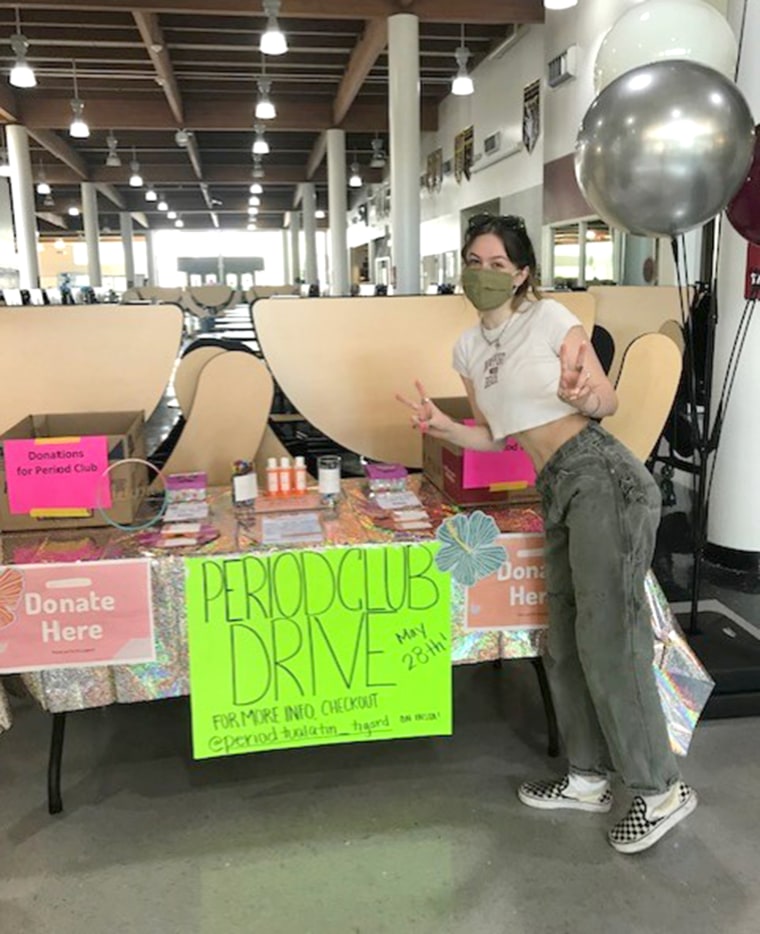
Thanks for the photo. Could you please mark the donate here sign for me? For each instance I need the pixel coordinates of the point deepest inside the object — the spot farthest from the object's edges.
(75, 615)
(304, 648)
(56, 473)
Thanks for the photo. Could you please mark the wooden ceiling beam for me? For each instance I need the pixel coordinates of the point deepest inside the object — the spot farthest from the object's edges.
(61, 150)
(361, 62)
(317, 154)
(299, 114)
(153, 37)
(442, 11)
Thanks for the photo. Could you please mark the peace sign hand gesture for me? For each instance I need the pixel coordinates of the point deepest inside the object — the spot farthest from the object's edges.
(427, 418)
(574, 386)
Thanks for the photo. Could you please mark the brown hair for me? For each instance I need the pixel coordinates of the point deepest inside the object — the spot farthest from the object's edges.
(510, 229)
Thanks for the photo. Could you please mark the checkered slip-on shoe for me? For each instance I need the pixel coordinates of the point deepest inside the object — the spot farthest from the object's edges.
(551, 795)
(637, 831)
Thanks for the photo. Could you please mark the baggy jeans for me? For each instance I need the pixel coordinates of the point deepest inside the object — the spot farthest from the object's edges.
(601, 512)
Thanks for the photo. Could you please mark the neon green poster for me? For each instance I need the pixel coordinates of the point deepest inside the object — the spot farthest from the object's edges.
(305, 648)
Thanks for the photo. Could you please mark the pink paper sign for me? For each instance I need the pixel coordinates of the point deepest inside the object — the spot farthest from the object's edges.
(57, 473)
(75, 615)
(514, 597)
(487, 468)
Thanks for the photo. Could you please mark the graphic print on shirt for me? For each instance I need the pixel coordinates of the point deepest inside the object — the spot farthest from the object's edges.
(491, 369)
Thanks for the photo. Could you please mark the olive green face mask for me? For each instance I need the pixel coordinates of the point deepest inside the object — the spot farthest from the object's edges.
(487, 288)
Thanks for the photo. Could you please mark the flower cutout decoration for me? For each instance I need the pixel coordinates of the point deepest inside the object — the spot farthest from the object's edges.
(467, 547)
(11, 585)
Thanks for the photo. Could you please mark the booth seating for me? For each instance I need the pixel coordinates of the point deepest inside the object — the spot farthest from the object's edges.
(85, 358)
(225, 397)
(646, 388)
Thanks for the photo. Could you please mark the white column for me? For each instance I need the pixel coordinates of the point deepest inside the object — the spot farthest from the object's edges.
(295, 251)
(91, 233)
(336, 207)
(7, 242)
(151, 256)
(288, 277)
(125, 225)
(404, 122)
(734, 508)
(22, 194)
(309, 207)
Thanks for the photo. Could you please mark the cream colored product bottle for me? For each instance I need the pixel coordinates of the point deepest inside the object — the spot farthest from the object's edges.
(273, 477)
(286, 485)
(299, 474)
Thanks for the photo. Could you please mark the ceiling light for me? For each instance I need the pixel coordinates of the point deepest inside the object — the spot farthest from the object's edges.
(273, 40)
(355, 179)
(182, 138)
(48, 201)
(112, 159)
(162, 205)
(135, 179)
(320, 214)
(462, 84)
(260, 145)
(151, 194)
(254, 199)
(251, 225)
(559, 4)
(378, 156)
(265, 109)
(179, 222)
(73, 211)
(172, 215)
(256, 189)
(43, 186)
(77, 128)
(59, 245)
(22, 74)
(258, 168)
(252, 210)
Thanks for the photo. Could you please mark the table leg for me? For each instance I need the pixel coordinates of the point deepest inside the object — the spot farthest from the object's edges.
(546, 697)
(55, 803)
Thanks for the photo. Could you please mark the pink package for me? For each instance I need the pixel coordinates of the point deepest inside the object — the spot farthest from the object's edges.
(487, 468)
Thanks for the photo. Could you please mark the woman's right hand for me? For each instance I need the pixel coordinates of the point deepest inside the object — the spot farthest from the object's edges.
(426, 417)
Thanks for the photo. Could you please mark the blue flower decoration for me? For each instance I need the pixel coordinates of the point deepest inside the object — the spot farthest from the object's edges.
(467, 547)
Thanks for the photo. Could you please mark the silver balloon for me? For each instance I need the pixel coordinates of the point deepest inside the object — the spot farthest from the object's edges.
(664, 147)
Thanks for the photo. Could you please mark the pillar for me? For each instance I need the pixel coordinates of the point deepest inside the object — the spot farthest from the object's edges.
(22, 195)
(734, 506)
(288, 277)
(336, 207)
(295, 251)
(151, 257)
(91, 233)
(125, 225)
(404, 122)
(309, 207)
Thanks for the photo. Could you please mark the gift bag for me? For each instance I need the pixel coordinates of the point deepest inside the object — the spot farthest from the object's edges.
(682, 681)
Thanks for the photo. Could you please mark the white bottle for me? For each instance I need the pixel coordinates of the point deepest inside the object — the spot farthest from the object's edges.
(299, 475)
(273, 477)
(286, 484)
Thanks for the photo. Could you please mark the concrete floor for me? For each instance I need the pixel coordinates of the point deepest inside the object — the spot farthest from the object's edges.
(422, 836)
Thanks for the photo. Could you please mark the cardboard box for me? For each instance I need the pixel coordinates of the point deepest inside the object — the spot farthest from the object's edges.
(125, 438)
(444, 465)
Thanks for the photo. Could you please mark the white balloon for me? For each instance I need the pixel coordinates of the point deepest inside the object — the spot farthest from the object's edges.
(659, 30)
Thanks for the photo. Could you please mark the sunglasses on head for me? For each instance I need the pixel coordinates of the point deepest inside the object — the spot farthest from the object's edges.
(502, 221)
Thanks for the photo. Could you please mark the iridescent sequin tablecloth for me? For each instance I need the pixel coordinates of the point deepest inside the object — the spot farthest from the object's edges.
(356, 521)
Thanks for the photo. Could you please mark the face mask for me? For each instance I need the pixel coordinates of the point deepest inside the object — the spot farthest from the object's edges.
(487, 288)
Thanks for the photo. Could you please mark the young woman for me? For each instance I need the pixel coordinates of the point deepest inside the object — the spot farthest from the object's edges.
(530, 373)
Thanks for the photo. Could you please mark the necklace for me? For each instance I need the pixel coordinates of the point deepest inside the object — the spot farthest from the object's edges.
(494, 342)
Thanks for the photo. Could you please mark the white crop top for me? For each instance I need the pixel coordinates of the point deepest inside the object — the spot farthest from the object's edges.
(516, 383)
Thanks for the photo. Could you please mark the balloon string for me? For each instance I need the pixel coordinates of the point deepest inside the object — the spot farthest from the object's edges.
(741, 41)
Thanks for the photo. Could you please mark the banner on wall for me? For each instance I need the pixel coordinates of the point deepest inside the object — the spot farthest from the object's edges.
(306, 648)
(531, 121)
(75, 615)
(514, 596)
(463, 154)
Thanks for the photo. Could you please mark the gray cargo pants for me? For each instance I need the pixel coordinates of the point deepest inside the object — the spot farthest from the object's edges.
(601, 511)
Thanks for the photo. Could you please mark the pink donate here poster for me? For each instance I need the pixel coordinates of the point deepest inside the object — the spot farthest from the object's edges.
(57, 473)
(75, 615)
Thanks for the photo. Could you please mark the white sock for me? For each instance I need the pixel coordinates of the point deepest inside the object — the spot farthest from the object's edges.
(585, 785)
(662, 804)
